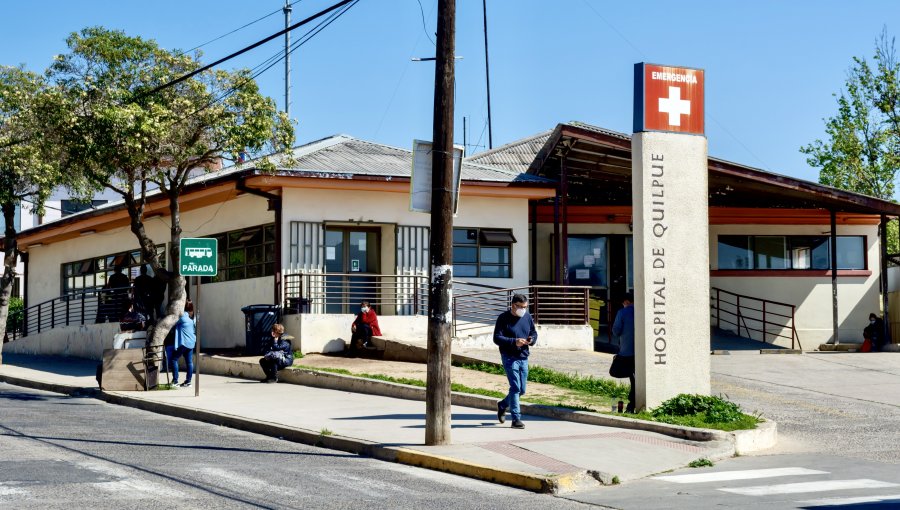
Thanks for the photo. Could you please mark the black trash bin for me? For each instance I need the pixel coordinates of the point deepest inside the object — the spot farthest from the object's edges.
(258, 320)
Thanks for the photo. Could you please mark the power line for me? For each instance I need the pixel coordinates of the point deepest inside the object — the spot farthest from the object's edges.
(257, 20)
(207, 67)
(424, 27)
(270, 62)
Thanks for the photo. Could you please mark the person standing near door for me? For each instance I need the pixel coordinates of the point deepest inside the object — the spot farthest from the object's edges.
(623, 328)
(514, 332)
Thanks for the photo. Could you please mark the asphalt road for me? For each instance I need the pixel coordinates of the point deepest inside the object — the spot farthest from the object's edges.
(772, 482)
(60, 452)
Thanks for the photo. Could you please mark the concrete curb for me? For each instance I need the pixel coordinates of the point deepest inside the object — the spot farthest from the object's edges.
(551, 484)
(750, 440)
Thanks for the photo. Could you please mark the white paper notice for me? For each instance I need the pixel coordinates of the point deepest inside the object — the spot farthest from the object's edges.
(597, 253)
(329, 253)
(362, 244)
(588, 261)
(582, 274)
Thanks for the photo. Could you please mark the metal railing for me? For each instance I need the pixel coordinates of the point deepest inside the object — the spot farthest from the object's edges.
(88, 306)
(475, 310)
(759, 319)
(342, 293)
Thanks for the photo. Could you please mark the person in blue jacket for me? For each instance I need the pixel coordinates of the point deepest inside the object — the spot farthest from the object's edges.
(185, 340)
(514, 332)
(623, 327)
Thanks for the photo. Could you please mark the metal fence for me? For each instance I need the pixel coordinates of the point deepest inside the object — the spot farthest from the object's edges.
(476, 310)
(342, 293)
(755, 318)
(89, 306)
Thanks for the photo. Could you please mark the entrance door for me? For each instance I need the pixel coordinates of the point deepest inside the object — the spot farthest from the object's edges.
(352, 263)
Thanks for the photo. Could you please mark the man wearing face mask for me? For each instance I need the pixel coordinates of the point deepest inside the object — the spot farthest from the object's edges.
(364, 327)
(513, 333)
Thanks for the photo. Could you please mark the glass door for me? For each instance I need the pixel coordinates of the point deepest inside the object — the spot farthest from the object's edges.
(352, 265)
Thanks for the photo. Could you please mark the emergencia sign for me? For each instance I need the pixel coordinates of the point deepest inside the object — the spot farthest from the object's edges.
(668, 98)
(199, 256)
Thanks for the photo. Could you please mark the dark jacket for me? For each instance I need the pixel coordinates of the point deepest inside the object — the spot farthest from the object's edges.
(284, 347)
(508, 328)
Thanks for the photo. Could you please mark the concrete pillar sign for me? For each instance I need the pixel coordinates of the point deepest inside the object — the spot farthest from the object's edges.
(671, 234)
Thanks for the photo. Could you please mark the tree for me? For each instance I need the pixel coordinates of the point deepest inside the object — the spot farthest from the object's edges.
(27, 172)
(119, 133)
(862, 153)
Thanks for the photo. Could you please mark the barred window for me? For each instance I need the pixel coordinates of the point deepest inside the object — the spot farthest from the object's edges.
(245, 253)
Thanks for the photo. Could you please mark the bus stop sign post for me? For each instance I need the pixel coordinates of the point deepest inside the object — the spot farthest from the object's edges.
(199, 257)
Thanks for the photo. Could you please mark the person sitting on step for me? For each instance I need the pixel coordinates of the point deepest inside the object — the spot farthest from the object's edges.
(364, 327)
(278, 357)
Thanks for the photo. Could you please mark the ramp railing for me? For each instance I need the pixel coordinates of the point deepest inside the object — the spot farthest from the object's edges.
(755, 318)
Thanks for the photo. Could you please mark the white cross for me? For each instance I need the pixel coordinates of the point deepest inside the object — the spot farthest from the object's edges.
(674, 106)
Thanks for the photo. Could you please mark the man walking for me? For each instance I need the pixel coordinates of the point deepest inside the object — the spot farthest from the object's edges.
(513, 333)
(623, 328)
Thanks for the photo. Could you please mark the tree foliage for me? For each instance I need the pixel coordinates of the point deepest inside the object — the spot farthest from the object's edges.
(119, 133)
(27, 171)
(862, 150)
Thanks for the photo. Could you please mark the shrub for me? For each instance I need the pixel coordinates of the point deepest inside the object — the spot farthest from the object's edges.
(715, 409)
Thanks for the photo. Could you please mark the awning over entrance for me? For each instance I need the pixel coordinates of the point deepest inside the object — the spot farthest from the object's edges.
(593, 166)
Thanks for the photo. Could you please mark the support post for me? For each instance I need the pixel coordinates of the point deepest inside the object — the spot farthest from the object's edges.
(564, 242)
(437, 390)
(882, 228)
(557, 253)
(197, 343)
(834, 270)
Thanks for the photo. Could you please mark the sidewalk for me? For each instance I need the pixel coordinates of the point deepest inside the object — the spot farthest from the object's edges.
(549, 455)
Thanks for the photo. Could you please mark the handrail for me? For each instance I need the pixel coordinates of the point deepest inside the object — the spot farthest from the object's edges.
(317, 292)
(760, 316)
(549, 304)
(86, 306)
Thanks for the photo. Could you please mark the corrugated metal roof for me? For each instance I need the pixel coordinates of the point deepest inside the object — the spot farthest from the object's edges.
(515, 156)
(342, 154)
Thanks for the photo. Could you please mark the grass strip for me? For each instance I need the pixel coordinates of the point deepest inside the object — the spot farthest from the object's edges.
(589, 384)
(699, 420)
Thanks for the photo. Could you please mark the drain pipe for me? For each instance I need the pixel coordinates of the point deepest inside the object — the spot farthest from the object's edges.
(274, 205)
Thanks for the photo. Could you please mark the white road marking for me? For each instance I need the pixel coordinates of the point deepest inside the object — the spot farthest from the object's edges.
(849, 501)
(749, 474)
(796, 488)
(6, 490)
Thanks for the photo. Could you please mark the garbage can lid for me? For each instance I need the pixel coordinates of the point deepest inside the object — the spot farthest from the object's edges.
(260, 308)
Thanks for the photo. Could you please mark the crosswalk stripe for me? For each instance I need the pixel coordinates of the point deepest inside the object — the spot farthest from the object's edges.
(849, 501)
(795, 488)
(749, 474)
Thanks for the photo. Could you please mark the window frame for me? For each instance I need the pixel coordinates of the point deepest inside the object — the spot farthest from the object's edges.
(100, 267)
(789, 252)
(478, 238)
(235, 245)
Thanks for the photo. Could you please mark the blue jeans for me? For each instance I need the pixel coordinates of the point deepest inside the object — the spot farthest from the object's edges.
(188, 360)
(517, 375)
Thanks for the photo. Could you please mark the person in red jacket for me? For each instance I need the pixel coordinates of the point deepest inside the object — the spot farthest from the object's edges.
(364, 327)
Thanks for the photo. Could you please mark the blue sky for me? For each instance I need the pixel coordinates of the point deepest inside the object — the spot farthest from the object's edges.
(771, 66)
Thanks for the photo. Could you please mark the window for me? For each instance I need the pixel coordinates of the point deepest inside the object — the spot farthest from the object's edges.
(482, 253)
(92, 273)
(68, 207)
(790, 252)
(245, 253)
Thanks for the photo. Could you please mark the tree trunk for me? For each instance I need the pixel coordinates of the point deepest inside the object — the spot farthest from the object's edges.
(10, 257)
(177, 293)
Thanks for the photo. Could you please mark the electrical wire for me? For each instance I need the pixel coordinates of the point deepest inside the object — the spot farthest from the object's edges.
(270, 62)
(207, 67)
(257, 20)
(424, 27)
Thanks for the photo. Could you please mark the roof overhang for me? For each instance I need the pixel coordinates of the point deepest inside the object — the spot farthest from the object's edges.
(218, 189)
(598, 169)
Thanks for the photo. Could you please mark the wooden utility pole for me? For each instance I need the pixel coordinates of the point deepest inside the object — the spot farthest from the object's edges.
(437, 392)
